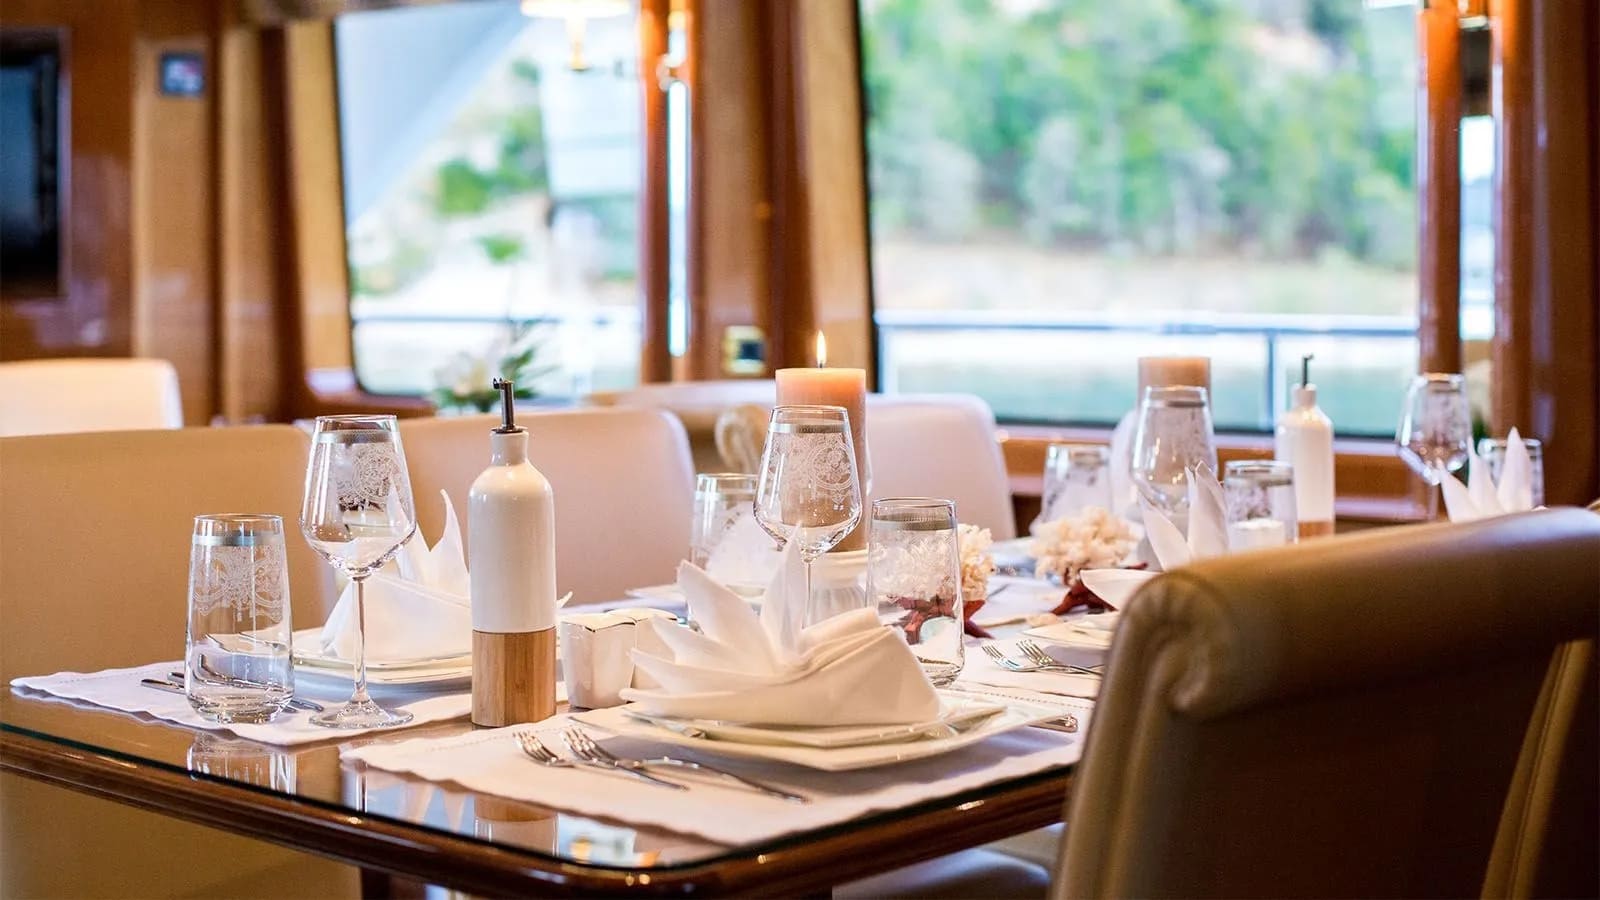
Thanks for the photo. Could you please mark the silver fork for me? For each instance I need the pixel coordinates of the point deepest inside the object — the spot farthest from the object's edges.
(1006, 662)
(535, 750)
(586, 747)
(296, 702)
(1036, 654)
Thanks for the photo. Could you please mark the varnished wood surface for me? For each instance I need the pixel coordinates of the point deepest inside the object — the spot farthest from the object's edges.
(500, 846)
(1439, 186)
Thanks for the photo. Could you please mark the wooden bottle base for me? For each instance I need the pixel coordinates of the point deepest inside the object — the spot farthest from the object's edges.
(1315, 530)
(513, 677)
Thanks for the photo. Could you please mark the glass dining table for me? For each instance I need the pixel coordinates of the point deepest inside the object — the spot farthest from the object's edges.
(394, 825)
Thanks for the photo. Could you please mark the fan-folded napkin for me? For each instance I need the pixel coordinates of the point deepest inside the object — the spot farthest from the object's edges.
(1482, 497)
(1207, 537)
(417, 607)
(846, 670)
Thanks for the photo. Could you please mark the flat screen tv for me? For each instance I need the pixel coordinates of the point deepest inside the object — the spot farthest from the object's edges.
(31, 176)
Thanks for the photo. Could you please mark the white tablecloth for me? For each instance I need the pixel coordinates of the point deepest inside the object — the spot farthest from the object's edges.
(490, 762)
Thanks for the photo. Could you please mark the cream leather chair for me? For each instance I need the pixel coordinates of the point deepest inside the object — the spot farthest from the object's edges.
(94, 565)
(61, 396)
(1337, 719)
(696, 404)
(941, 445)
(624, 489)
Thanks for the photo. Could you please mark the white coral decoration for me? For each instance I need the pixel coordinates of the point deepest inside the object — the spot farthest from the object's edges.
(1093, 539)
(977, 564)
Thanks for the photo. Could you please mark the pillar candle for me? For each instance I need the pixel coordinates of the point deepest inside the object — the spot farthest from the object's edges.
(1166, 371)
(823, 386)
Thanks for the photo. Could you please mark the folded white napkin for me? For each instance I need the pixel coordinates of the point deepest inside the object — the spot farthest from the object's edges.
(1207, 537)
(1483, 498)
(846, 670)
(417, 604)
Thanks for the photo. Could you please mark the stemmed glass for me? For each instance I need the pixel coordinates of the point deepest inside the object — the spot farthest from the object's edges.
(1174, 435)
(356, 513)
(808, 490)
(1435, 429)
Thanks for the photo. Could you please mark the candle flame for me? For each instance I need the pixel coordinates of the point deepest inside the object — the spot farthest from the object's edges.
(822, 349)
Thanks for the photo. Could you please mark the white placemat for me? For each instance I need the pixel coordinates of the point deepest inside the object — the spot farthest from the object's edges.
(980, 669)
(1013, 599)
(489, 761)
(119, 689)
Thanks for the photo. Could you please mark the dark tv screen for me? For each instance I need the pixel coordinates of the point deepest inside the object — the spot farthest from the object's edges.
(30, 164)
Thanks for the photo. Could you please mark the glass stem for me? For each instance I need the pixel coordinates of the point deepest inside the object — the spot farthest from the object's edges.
(1433, 498)
(805, 614)
(359, 695)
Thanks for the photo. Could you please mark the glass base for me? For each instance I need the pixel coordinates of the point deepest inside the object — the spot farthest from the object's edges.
(940, 672)
(360, 715)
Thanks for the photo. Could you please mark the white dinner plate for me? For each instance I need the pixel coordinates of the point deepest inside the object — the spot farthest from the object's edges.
(670, 593)
(955, 715)
(1088, 632)
(310, 661)
(618, 720)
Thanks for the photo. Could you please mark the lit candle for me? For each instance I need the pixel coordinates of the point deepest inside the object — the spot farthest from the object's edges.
(823, 386)
(1166, 371)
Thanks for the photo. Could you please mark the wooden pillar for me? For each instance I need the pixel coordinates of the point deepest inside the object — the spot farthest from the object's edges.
(1547, 203)
(655, 262)
(1439, 186)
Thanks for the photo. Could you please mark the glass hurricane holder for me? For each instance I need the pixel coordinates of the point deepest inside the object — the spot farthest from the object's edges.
(1435, 429)
(356, 513)
(1076, 476)
(720, 499)
(1493, 453)
(1173, 436)
(237, 660)
(1260, 503)
(914, 579)
(808, 491)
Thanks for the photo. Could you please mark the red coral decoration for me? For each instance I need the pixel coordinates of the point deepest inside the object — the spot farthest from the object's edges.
(1080, 595)
(919, 610)
(972, 628)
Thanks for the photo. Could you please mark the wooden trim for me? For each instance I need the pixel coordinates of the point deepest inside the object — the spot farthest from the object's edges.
(655, 256)
(793, 316)
(1439, 186)
(797, 865)
(1546, 58)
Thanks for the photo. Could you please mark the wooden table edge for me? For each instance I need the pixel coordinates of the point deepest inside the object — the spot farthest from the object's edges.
(793, 864)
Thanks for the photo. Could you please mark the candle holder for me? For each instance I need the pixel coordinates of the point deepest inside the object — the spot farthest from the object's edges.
(1260, 500)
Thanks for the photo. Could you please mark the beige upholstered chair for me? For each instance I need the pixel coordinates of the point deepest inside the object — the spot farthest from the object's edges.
(60, 396)
(624, 489)
(94, 539)
(696, 404)
(941, 445)
(1338, 719)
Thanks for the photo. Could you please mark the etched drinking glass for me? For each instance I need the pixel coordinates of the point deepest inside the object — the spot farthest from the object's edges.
(1493, 453)
(1435, 429)
(1076, 477)
(914, 578)
(1174, 435)
(237, 665)
(356, 513)
(725, 539)
(808, 491)
(1259, 494)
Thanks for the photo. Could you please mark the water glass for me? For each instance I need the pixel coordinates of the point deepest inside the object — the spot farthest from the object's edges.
(356, 513)
(914, 578)
(1173, 436)
(1435, 429)
(1260, 499)
(1076, 477)
(808, 491)
(725, 539)
(1493, 453)
(237, 664)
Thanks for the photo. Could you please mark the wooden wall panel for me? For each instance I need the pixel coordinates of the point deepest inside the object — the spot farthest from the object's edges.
(93, 318)
(174, 236)
(1439, 187)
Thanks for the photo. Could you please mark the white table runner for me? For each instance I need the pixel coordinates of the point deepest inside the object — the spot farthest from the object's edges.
(489, 762)
(120, 690)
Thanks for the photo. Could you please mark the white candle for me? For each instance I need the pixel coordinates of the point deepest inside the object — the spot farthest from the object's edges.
(823, 386)
(1256, 534)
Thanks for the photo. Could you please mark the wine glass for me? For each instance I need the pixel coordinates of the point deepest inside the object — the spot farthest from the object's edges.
(808, 490)
(1435, 429)
(1076, 477)
(1174, 435)
(356, 513)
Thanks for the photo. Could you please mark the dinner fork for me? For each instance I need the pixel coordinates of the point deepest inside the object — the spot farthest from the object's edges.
(296, 702)
(535, 750)
(586, 747)
(1036, 654)
(1006, 662)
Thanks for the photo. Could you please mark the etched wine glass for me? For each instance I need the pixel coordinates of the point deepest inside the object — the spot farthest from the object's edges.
(356, 513)
(1435, 429)
(808, 490)
(1174, 436)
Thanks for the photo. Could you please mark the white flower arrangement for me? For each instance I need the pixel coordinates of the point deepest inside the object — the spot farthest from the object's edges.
(977, 563)
(1093, 539)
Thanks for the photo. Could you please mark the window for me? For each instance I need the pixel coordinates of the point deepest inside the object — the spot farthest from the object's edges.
(490, 192)
(1060, 186)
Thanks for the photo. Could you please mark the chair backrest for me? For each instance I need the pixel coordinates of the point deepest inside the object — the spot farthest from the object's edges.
(696, 404)
(941, 445)
(63, 396)
(624, 489)
(1340, 718)
(95, 532)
